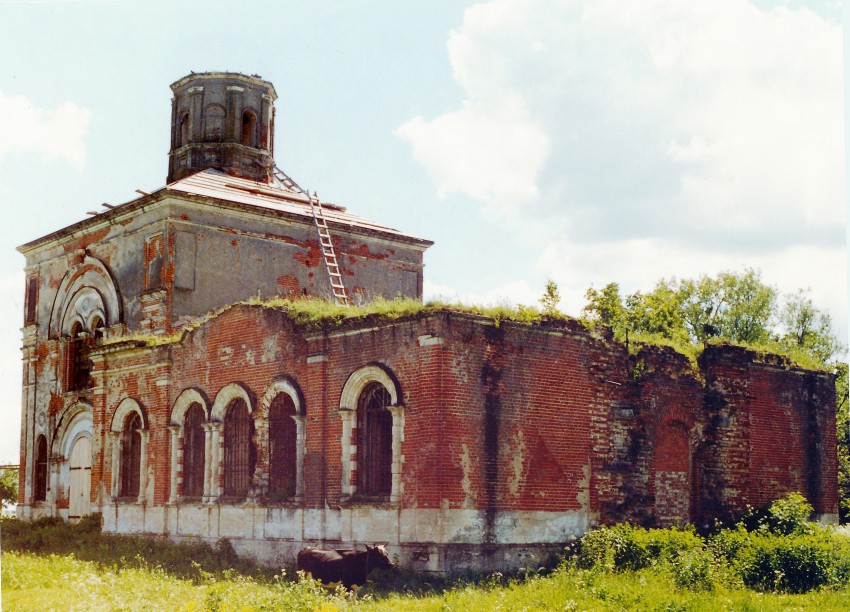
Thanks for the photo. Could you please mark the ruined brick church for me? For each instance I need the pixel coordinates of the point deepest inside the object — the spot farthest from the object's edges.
(460, 441)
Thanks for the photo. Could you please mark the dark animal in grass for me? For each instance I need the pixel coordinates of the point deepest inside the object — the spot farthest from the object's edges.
(346, 566)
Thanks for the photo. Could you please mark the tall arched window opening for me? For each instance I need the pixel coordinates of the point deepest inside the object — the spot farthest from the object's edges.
(249, 129)
(239, 455)
(193, 452)
(183, 130)
(283, 445)
(131, 456)
(374, 441)
(78, 365)
(40, 488)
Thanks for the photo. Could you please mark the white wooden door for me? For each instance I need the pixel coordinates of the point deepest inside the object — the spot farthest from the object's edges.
(79, 489)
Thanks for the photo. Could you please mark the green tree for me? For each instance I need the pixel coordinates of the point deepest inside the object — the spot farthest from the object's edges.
(701, 307)
(8, 487)
(657, 312)
(808, 328)
(750, 306)
(550, 299)
(606, 306)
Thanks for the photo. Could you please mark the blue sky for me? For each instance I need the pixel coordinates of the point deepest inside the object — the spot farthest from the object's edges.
(586, 142)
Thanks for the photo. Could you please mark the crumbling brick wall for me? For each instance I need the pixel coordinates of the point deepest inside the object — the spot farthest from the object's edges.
(509, 428)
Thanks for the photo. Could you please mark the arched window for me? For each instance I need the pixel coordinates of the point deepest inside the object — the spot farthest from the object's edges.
(239, 456)
(78, 365)
(249, 129)
(40, 489)
(193, 452)
(374, 441)
(131, 455)
(214, 123)
(183, 130)
(283, 446)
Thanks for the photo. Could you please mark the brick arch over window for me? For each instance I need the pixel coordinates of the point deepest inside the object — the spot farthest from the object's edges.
(371, 388)
(88, 283)
(281, 434)
(129, 435)
(190, 446)
(225, 396)
(226, 426)
(184, 401)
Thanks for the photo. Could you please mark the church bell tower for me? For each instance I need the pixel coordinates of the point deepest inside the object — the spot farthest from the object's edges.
(222, 120)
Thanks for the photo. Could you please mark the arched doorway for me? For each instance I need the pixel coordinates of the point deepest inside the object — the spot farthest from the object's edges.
(79, 486)
(71, 475)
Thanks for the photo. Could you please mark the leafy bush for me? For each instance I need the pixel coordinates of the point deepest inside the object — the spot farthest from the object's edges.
(793, 563)
(786, 516)
(777, 549)
(626, 547)
(789, 515)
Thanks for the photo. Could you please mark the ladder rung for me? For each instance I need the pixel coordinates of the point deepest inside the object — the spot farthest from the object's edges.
(337, 286)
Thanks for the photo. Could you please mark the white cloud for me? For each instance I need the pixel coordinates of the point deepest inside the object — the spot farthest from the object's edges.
(490, 151)
(55, 134)
(650, 139)
(515, 292)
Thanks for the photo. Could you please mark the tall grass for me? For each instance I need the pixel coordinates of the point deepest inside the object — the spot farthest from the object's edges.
(770, 560)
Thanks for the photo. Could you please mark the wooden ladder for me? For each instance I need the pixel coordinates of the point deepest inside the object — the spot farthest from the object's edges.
(325, 241)
(327, 245)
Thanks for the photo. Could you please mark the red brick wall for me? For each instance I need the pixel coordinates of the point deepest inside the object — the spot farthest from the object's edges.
(774, 428)
(515, 417)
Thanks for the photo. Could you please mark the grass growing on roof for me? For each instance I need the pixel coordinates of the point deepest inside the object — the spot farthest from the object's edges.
(321, 314)
(314, 312)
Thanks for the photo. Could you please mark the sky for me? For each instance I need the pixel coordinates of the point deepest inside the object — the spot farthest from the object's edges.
(580, 141)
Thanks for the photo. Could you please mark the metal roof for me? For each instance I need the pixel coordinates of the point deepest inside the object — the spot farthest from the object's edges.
(216, 184)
